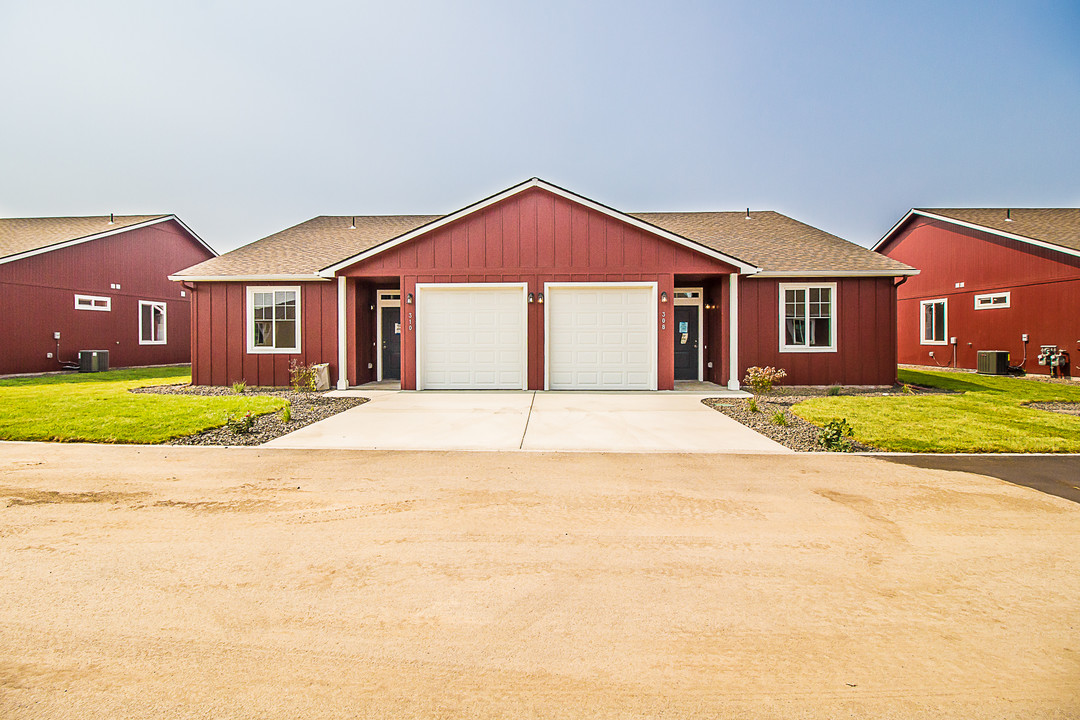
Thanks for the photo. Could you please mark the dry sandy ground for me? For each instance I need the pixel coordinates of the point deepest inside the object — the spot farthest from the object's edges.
(247, 583)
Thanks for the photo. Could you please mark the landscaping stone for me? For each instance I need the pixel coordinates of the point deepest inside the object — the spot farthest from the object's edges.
(307, 408)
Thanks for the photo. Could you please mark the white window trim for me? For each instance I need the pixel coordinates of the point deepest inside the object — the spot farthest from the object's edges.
(922, 322)
(249, 325)
(92, 299)
(698, 302)
(1006, 295)
(834, 315)
(164, 325)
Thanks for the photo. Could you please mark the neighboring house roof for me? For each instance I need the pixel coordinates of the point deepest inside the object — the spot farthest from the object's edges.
(768, 243)
(1057, 228)
(23, 237)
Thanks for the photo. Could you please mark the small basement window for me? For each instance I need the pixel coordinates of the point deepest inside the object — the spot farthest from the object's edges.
(992, 300)
(807, 318)
(151, 323)
(934, 322)
(93, 302)
(273, 315)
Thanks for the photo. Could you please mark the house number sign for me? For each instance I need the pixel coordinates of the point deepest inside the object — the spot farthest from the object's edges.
(663, 319)
(409, 315)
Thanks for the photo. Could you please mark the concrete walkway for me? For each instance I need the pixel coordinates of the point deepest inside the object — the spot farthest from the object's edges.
(533, 421)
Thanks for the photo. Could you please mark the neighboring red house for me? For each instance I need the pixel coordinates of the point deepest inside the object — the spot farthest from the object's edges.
(991, 279)
(539, 288)
(101, 283)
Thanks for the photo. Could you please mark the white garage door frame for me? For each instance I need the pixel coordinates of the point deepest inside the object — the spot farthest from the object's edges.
(421, 327)
(653, 326)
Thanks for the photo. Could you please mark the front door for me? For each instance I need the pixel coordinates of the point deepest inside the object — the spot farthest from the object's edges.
(686, 342)
(391, 343)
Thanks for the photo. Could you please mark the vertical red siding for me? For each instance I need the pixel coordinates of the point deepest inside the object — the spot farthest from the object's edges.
(1044, 286)
(42, 288)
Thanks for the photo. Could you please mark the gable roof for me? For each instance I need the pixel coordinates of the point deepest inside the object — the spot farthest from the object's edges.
(24, 237)
(1054, 228)
(767, 244)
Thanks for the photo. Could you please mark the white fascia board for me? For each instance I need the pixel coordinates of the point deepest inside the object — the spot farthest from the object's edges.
(98, 236)
(885, 238)
(247, 278)
(193, 234)
(834, 273)
(744, 268)
(980, 228)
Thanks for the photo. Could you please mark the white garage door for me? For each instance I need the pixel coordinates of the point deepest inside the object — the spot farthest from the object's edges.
(471, 337)
(601, 338)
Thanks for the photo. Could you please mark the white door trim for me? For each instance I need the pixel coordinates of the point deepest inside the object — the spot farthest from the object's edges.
(473, 286)
(698, 301)
(653, 328)
(383, 301)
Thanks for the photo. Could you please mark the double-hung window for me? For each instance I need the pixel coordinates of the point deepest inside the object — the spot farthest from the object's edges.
(151, 323)
(933, 322)
(273, 315)
(807, 317)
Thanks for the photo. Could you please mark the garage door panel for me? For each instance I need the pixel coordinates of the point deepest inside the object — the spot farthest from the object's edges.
(601, 338)
(471, 338)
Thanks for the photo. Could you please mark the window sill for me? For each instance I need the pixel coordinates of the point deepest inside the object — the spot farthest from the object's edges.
(936, 343)
(807, 349)
(156, 342)
(273, 351)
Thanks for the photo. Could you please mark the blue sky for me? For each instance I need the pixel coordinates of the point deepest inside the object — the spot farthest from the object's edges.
(246, 118)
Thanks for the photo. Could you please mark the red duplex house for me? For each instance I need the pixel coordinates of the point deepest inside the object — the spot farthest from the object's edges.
(539, 288)
(992, 279)
(94, 283)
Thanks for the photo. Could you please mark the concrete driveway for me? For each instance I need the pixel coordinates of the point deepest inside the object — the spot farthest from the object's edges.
(534, 421)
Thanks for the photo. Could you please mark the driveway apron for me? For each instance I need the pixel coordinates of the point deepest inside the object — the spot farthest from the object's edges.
(532, 421)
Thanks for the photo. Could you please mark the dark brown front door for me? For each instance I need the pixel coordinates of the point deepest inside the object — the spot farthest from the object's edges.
(686, 342)
(391, 343)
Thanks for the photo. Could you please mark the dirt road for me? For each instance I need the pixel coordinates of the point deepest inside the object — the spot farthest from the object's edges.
(246, 583)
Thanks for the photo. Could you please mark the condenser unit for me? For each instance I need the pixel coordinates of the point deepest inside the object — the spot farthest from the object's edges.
(993, 362)
(93, 360)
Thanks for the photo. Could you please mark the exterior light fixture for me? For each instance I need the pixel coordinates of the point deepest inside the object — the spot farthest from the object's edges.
(371, 307)
(663, 297)
(532, 298)
(540, 298)
(408, 299)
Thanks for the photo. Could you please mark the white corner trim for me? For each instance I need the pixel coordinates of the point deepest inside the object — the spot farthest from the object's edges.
(834, 317)
(342, 349)
(97, 236)
(733, 331)
(973, 226)
(743, 267)
(249, 319)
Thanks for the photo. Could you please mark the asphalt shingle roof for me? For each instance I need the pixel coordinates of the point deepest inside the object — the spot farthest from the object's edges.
(1058, 226)
(19, 235)
(768, 240)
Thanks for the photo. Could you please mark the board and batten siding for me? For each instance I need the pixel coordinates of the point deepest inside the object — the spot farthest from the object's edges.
(37, 295)
(536, 237)
(1043, 285)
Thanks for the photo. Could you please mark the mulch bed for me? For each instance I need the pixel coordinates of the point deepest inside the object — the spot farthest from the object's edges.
(1066, 408)
(798, 434)
(307, 407)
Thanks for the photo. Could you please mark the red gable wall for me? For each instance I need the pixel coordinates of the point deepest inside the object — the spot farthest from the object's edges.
(537, 237)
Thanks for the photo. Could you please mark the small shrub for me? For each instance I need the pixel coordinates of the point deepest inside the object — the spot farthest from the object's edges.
(286, 412)
(239, 387)
(301, 377)
(833, 390)
(779, 418)
(243, 425)
(752, 405)
(835, 434)
(761, 379)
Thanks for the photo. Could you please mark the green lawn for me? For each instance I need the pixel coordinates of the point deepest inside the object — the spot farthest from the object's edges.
(97, 407)
(988, 417)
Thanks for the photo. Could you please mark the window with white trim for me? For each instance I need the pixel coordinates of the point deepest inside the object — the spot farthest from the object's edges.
(151, 322)
(93, 302)
(934, 321)
(807, 317)
(992, 300)
(273, 315)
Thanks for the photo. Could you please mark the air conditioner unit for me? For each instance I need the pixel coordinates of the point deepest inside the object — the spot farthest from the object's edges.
(93, 360)
(993, 362)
